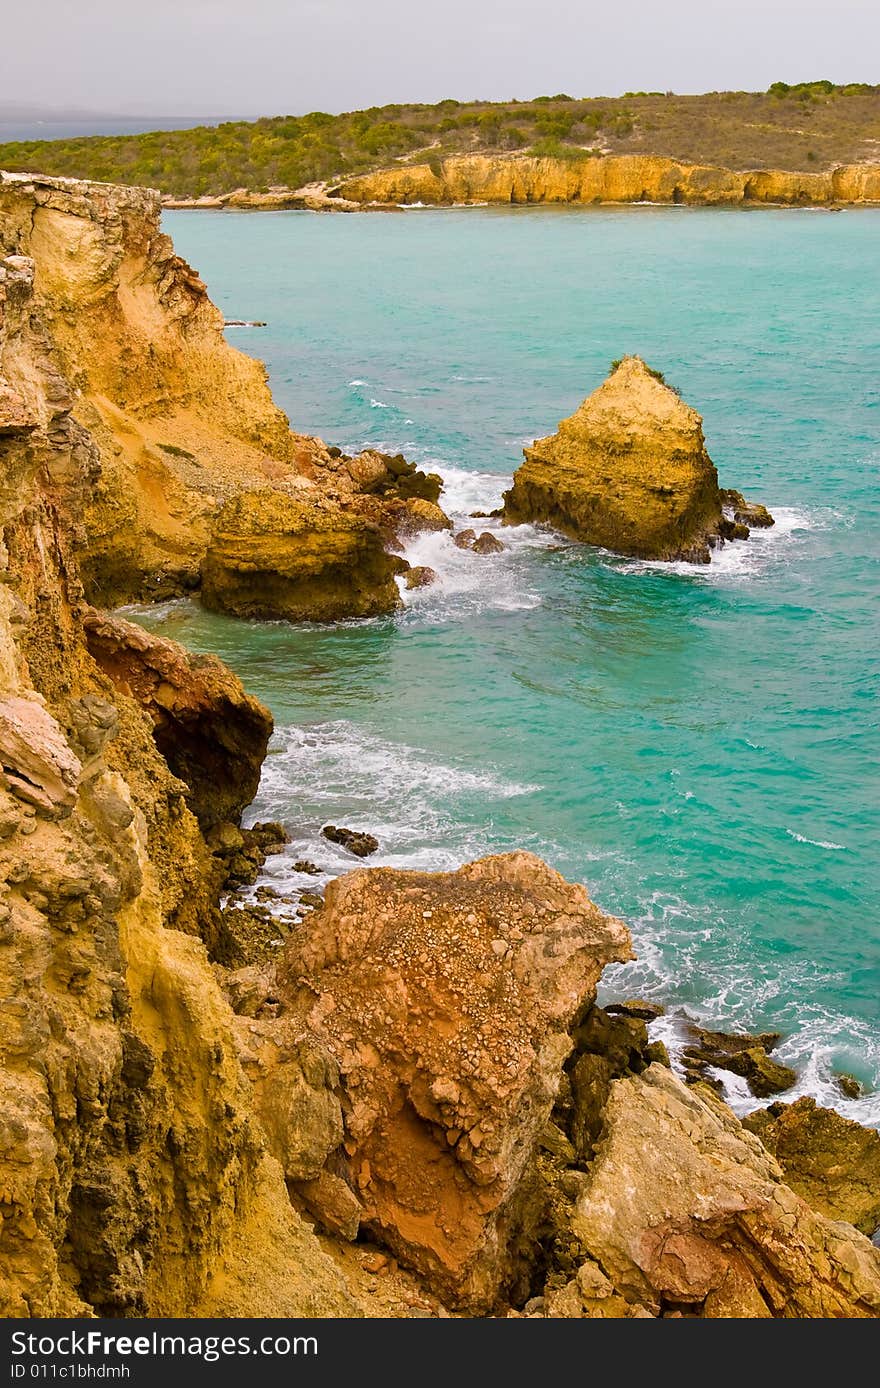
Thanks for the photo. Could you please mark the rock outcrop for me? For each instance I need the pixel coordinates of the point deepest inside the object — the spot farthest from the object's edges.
(275, 556)
(740, 1053)
(833, 1163)
(707, 1227)
(170, 425)
(628, 471)
(133, 1169)
(211, 733)
(518, 180)
(446, 1000)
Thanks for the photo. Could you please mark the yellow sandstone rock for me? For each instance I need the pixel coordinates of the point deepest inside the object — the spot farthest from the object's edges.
(623, 178)
(628, 470)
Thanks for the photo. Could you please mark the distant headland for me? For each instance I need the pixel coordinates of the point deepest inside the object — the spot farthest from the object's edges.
(812, 143)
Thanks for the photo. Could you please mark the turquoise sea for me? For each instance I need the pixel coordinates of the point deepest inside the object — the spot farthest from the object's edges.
(698, 745)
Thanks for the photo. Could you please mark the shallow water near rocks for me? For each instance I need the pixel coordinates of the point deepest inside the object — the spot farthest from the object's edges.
(698, 745)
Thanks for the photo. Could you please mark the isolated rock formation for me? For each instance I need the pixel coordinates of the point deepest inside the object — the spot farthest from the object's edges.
(211, 733)
(833, 1163)
(617, 178)
(446, 1001)
(628, 471)
(685, 1213)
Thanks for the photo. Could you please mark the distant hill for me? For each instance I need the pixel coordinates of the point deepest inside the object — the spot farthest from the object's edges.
(805, 127)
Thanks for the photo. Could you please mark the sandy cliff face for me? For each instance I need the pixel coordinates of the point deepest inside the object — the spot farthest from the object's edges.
(133, 1176)
(175, 422)
(626, 178)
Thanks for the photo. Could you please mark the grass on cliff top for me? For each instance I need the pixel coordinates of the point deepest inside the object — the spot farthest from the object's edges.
(806, 127)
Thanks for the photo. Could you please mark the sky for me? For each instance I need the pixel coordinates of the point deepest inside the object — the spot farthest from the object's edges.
(266, 57)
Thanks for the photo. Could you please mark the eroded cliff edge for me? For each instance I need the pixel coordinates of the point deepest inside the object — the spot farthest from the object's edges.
(133, 1175)
(184, 463)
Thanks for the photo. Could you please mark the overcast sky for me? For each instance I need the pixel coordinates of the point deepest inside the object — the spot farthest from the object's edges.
(273, 56)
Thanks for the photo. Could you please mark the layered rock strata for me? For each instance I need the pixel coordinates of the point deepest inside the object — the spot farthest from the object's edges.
(133, 1170)
(628, 471)
(520, 180)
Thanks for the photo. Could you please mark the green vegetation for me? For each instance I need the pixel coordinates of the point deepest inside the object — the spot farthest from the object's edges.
(658, 375)
(808, 124)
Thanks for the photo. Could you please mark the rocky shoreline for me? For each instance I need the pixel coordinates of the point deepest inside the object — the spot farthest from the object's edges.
(523, 180)
(401, 1098)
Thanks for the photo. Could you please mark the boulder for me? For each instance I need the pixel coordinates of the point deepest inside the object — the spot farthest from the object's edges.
(446, 1000)
(742, 1054)
(355, 840)
(487, 543)
(686, 1213)
(749, 513)
(829, 1160)
(211, 733)
(628, 471)
(420, 576)
(299, 558)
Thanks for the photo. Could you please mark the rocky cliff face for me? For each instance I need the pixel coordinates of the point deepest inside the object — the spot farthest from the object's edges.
(133, 1174)
(424, 1063)
(629, 471)
(521, 180)
(172, 424)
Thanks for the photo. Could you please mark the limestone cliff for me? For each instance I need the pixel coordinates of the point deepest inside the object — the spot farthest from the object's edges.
(629, 471)
(171, 422)
(625, 178)
(133, 1173)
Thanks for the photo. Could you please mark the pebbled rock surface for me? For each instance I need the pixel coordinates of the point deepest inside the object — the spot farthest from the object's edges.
(446, 1000)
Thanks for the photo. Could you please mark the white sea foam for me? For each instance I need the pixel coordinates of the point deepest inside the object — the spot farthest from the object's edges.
(358, 383)
(741, 993)
(817, 843)
(409, 799)
(378, 405)
(739, 561)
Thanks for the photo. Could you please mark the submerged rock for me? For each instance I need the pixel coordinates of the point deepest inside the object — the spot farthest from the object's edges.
(749, 513)
(628, 471)
(742, 1054)
(446, 1001)
(420, 576)
(487, 543)
(829, 1160)
(355, 840)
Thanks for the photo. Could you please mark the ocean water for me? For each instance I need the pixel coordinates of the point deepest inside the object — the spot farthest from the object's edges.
(698, 745)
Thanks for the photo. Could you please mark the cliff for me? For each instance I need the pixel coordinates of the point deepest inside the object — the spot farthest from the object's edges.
(629, 178)
(422, 1062)
(133, 1172)
(171, 422)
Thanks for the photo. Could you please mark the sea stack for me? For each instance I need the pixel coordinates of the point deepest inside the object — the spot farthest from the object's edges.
(628, 470)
